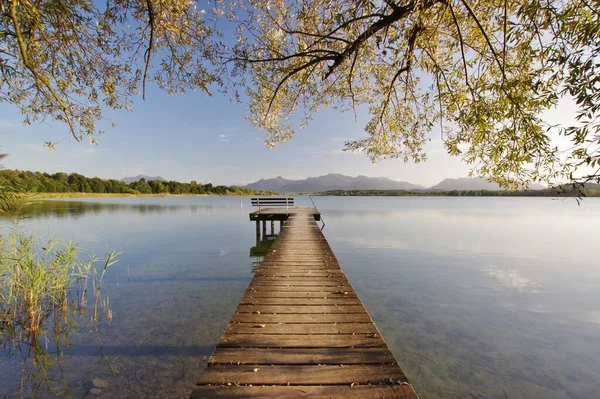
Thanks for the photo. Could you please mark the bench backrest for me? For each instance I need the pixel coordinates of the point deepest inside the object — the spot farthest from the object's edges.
(272, 201)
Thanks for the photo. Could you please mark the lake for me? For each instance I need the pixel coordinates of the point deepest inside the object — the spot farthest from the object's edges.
(477, 297)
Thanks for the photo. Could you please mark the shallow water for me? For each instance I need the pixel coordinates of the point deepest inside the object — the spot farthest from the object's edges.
(477, 297)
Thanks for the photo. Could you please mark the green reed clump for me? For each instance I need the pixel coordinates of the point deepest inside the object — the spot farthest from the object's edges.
(43, 286)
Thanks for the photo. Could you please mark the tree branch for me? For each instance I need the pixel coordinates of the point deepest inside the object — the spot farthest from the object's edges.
(148, 53)
(396, 15)
(34, 72)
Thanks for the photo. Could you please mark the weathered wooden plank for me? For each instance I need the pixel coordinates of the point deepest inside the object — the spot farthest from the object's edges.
(282, 375)
(298, 269)
(300, 341)
(248, 300)
(301, 294)
(270, 356)
(260, 328)
(301, 318)
(298, 266)
(300, 309)
(296, 274)
(330, 277)
(301, 265)
(404, 391)
(287, 288)
(299, 283)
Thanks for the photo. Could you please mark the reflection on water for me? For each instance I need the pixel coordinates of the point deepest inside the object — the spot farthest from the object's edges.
(261, 248)
(512, 279)
(77, 209)
(477, 297)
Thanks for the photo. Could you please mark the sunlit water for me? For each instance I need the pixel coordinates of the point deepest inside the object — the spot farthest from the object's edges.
(477, 297)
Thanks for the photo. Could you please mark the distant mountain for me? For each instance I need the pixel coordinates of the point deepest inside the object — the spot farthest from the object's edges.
(330, 182)
(473, 183)
(139, 177)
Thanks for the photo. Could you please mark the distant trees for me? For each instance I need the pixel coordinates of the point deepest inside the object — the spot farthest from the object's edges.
(141, 186)
(566, 190)
(38, 182)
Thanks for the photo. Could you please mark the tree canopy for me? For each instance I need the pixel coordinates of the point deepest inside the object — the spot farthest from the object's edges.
(482, 72)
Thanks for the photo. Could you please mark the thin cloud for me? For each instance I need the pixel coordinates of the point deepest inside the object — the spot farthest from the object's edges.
(223, 137)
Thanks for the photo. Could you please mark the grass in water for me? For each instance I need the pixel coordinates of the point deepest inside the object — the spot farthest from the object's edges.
(44, 297)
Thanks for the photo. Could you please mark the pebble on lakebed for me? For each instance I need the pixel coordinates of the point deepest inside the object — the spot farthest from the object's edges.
(99, 383)
(95, 391)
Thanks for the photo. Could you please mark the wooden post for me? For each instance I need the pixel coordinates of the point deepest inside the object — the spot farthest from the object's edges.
(257, 230)
(272, 227)
(280, 225)
(264, 228)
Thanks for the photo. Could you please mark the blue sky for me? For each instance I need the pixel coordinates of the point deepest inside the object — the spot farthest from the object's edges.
(195, 137)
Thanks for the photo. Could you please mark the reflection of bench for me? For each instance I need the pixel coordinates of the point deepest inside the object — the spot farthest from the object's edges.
(272, 201)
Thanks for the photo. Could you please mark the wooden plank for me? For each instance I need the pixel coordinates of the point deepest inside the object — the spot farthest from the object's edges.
(283, 283)
(285, 288)
(302, 274)
(305, 265)
(309, 375)
(301, 294)
(298, 271)
(299, 309)
(404, 391)
(294, 280)
(248, 300)
(260, 328)
(295, 272)
(270, 356)
(300, 341)
(301, 318)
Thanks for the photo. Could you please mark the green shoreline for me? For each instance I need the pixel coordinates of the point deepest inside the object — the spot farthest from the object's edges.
(123, 195)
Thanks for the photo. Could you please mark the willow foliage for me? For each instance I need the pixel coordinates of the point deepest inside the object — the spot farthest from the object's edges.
(485, 71)
(70, 59)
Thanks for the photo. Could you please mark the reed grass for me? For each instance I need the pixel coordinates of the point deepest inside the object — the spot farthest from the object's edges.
(43, 285)
(44, 295)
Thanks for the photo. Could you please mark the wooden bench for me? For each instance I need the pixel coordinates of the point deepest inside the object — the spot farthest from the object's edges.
(272, 202)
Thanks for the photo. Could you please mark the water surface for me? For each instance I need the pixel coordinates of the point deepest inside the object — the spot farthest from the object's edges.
(476, 297)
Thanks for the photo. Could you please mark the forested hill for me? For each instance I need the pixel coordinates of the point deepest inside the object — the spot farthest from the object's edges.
(38, 182)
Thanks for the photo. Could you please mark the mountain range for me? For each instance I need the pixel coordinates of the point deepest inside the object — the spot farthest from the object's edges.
(341, 182)
(472, 183)
(330, 182)
(129, 180)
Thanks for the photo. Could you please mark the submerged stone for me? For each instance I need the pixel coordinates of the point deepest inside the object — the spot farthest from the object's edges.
(99, 383)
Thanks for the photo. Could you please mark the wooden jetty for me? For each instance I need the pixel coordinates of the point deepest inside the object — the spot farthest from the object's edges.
(300, 330)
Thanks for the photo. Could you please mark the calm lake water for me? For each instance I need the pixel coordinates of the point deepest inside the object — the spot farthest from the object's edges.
(477, 297)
